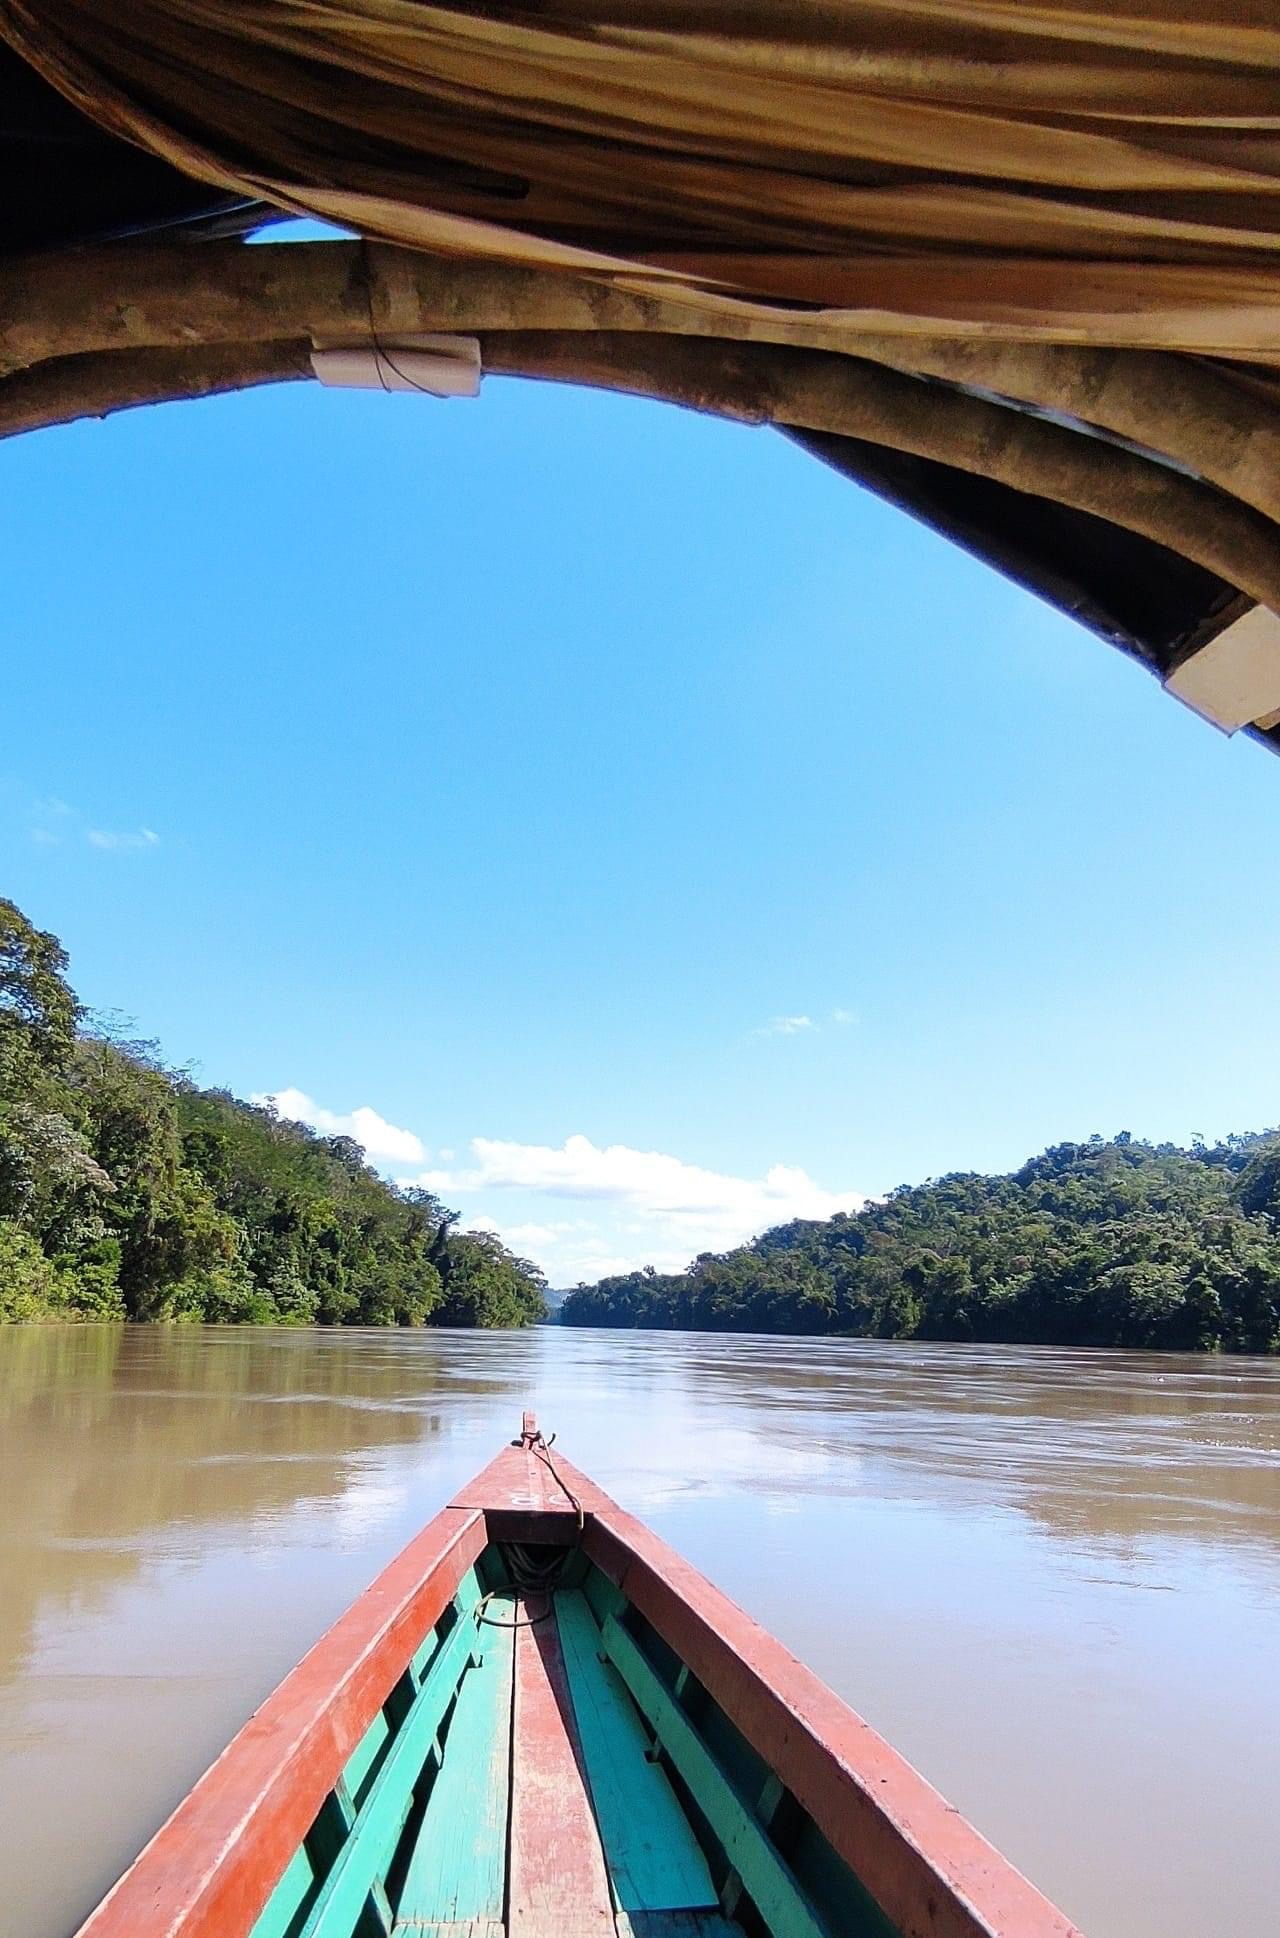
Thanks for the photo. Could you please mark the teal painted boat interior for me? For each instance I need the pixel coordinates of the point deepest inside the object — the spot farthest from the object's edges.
(698, 1837)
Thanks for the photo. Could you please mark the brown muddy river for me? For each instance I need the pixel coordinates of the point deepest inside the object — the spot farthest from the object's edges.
(1051, 1579)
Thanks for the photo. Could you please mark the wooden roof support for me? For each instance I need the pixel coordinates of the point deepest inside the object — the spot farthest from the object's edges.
(1202, 417)
(101, 330)
(817, 391)
(753, 384)
(166, 295)
(66, 389)
(146, 294)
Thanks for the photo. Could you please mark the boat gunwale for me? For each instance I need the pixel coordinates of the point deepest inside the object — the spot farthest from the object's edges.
(929, 1870)
(210, 1869)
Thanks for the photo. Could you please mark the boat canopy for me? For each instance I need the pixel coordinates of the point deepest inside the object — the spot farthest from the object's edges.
(1011, 264)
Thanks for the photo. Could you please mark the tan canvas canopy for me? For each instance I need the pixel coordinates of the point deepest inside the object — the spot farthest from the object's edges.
(1012, 265)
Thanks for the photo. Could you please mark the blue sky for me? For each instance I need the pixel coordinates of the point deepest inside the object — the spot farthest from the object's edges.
(620, 806)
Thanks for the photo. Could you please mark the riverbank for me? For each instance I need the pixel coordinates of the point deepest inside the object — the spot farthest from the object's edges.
(1119, 1244)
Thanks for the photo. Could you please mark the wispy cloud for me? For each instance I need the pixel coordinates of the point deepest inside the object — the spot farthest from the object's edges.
(382, 1143)
(55, 823)
(799, 1025)
(50, 821)
(121, 842)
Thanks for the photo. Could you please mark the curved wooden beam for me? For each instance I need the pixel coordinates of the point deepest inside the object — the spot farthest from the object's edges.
(1180, 407)
(69, 388)
(751, 383)
(131, 297)
(812, 390)
(146, 295)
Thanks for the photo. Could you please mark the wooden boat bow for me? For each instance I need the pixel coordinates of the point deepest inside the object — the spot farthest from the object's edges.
(630, 1736)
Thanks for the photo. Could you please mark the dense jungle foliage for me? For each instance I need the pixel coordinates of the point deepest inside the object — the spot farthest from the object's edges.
(128, 1193)
(1096, 1244)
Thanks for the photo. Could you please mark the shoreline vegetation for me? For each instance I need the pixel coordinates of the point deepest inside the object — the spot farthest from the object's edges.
(126, 1192)
(1105, 1243)
(129, 1193)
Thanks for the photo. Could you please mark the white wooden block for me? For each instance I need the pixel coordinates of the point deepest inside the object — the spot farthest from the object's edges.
(1235, 679)
(437, 366)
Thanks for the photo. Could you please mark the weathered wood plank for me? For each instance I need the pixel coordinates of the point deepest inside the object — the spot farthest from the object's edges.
(456, 1880)
(676, 1924)
(765, 1875)
(471, 1928)
(652, 1855)
(280, 1915)
(361, 1865)
(365, 1754)
(558, 1886)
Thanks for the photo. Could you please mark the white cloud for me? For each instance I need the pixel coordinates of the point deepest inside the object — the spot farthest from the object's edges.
(50, 817)
(572, 1249)
(843, 1017)
(531, 1237)
(579, 1209)
(587, 1265)
(785, 1026)
(676, 1209)
(109, 838)
(383, 1143)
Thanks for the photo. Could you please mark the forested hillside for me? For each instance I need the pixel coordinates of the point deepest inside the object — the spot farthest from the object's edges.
(1096, 1244)
(126, 1192)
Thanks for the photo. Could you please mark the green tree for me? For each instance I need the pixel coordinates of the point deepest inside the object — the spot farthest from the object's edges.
(1099, 1244)
(38, 1012)
(125, 1191)
(486, 1285)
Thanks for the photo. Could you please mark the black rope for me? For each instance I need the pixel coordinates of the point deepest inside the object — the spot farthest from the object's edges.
(491, 1621)
(527, 1577)
(542, 1447)
(381, 355)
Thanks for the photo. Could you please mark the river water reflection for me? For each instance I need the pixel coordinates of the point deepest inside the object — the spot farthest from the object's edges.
(1052, 1579)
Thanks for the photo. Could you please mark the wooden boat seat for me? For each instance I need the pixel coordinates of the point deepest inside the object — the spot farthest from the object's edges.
(548, 1816)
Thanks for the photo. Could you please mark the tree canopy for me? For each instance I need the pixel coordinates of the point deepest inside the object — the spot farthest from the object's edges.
(1105, 1243)
(128, 1192)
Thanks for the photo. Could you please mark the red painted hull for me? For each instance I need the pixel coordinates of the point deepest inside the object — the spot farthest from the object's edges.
(211, 1868)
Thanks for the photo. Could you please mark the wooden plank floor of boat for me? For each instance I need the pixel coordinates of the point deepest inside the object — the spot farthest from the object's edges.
(548, 1818)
